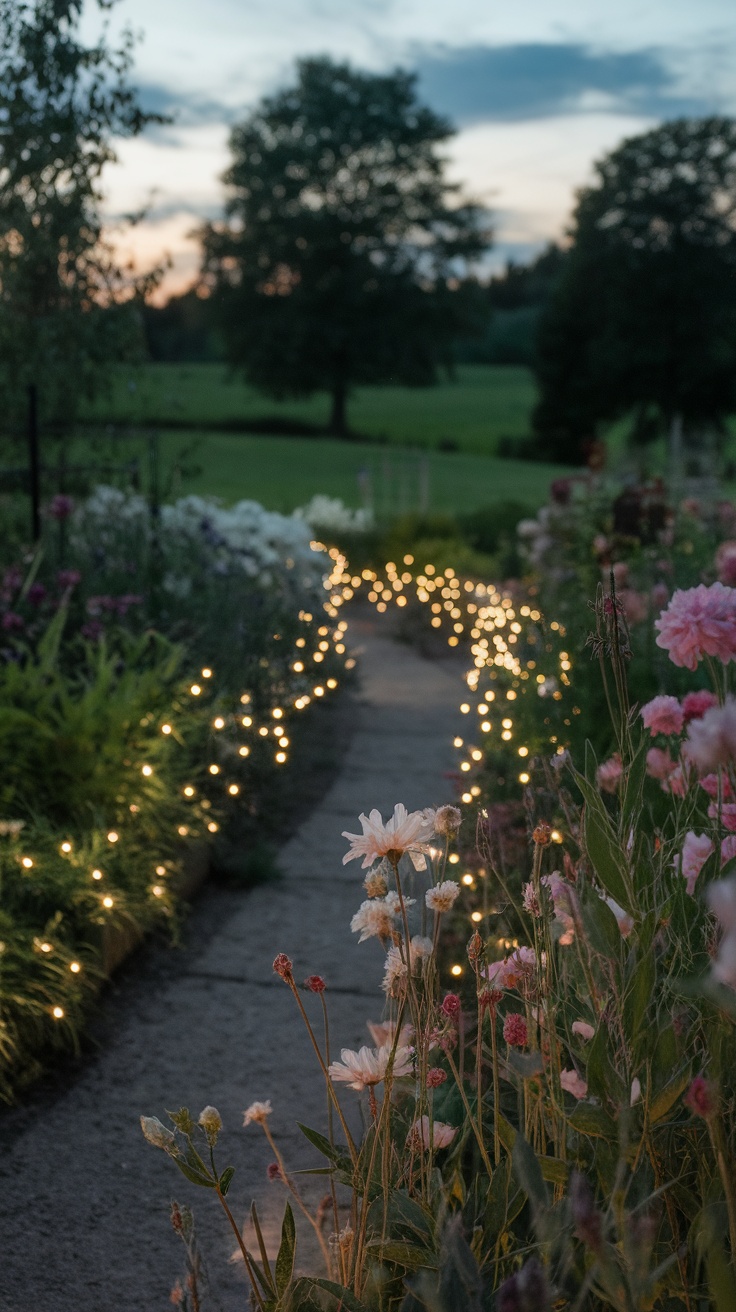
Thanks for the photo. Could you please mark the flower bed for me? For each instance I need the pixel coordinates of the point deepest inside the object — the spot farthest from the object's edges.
(550, 1098)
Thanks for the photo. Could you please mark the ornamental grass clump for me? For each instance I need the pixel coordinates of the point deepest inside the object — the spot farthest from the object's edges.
(557, 1130)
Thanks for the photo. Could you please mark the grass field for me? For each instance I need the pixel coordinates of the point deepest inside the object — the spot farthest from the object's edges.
(285, 472)
(482, 404)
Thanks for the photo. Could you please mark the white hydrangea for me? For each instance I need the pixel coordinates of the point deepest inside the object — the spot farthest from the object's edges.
(324, 512)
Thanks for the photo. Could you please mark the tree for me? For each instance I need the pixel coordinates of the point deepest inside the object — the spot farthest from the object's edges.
(643, 318)
(61, 105)
(340, 258)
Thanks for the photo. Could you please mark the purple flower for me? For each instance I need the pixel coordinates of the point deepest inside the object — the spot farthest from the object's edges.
(60, 507)
(68, 578)
(12, 623)
(36, 594)
(92, 631)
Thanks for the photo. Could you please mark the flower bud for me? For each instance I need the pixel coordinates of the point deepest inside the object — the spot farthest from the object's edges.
(701, 1097)
(211, 1122)
(283, 967)
(451, 1006)
(158, 1135)
(475, 947)
(542, 834)
(315, 984)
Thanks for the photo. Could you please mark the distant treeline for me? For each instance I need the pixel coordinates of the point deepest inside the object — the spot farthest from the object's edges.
(186, 330)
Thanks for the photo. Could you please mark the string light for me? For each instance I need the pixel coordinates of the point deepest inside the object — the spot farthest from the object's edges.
(195, 690)
(108, 902)
(97, 874)
(206, 673)
(233, 790)
(26, 862)
(219, 723)
(113, 836)
(57, 1013)
(166, 728)
(456, 970)
(66, 847)
(75, 967)
(147, 770)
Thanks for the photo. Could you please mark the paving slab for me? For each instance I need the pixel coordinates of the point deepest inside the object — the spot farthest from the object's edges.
(83, 1199)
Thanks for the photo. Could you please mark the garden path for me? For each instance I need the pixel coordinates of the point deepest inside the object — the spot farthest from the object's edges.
(83, 1199)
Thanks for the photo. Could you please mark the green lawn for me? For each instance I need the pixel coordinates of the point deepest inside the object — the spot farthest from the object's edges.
(285, 472)
(482, 404)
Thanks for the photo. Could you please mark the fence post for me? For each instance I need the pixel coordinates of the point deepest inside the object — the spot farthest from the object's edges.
(34, 464)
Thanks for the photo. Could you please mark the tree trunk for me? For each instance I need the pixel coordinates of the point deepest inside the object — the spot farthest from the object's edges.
(338, 415)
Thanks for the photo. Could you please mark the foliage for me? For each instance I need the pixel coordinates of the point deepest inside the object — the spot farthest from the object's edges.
(344, 237)
(642, 319)
(64, 304)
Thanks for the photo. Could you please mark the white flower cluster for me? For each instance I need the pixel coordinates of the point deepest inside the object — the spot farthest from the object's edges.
(246, 535)
(330, 513)
(538, 535)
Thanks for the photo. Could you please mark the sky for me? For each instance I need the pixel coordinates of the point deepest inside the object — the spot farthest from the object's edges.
(538, 90)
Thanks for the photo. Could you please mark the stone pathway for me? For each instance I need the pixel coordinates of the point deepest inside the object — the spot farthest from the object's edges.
(83, 1199)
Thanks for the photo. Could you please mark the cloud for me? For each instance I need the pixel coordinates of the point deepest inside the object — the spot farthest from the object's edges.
(516, 83)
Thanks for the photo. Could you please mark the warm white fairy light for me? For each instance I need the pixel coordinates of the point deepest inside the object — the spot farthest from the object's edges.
(147, 770)
(65, 848)
(97, 874)
(113, 836)
(182, 831)
(318, 691)
(456, 970)
(467, 797)
(233, 789)
(57, 1013)
(75, 967)
(213, 826)
(476, 917)
(26, 862)
(157, 890)
(195, 690)
(206, 673)
(219, 723)
(280, 757)
(46, 947)
(244, 751)
(108, 901)
(189, 791)
(247, 721)
(166, 728)
(214, 769)
(468, 880)
(523, 777)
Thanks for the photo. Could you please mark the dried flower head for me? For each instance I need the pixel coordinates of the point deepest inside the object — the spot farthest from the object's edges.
(531, 901)
(475, 947)
(375, 918)
(447, 820)
(451, 1006)
(211, 1122)
(258, 1112)
(443, 896)
(282, 966)
(273, 1171)
(375, 884)
(315, 984)
(515, 1031)
(435, 1077)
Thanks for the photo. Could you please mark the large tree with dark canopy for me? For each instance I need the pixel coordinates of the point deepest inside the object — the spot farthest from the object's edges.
(343, 254)
(643, 319)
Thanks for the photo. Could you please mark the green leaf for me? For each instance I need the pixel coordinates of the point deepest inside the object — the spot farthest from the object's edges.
(226, 1179)
(345, 1298)
(603, 1079)
(634, 786)
(286, 1253)
(323, 1145)
(603, 848)
(639, 993)
(553, 1170)
(410, 1256)
(593, 1121)
(667, 1097)
(528, 1173)
(196, 1177)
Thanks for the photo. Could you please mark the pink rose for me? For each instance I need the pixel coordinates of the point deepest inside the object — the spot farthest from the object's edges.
(663, 715)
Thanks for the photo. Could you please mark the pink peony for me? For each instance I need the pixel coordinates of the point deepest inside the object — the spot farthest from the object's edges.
(711, 741)
(695, 852)
(609, 774)
(659, 764)
(726, 563)
(699, 622)
(662, 715)
(572, 1083)
(695, 704)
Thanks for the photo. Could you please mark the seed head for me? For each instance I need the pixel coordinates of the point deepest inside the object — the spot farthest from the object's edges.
(158, 1134)
(435, 1077)
(282, 966)
(514, 1030)
(475, 947)
(542, 834)
(375, 884)
(211, 1122)
(447, 820)
(315, 984)
(451, 1006)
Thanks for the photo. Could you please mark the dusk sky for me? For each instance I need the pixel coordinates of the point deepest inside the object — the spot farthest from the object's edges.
(538, 91)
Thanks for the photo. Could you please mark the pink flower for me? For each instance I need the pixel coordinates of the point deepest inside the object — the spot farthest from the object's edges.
(273, 1171)
(728, 814)
(695, 704)
(721, 898)
(582, 1028)
(676, 783)
(623, 919)
(451, 1006)
(609, 774)
(662, 715)
(509, 973)
(562, 899)
(439, 1134)
(659, 764)
(383, 1033)
(710, 783)
(368, 1066)
(728, 849)
(315, 984)
(659, 595)
(435, 1077)
(405, 831)
(700, 1097)
(695, 852)
(634, 605)
(711, 741)
(514, 1030)
(572, 1083)
(699, 622)
(283, 967)
(726, 563)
